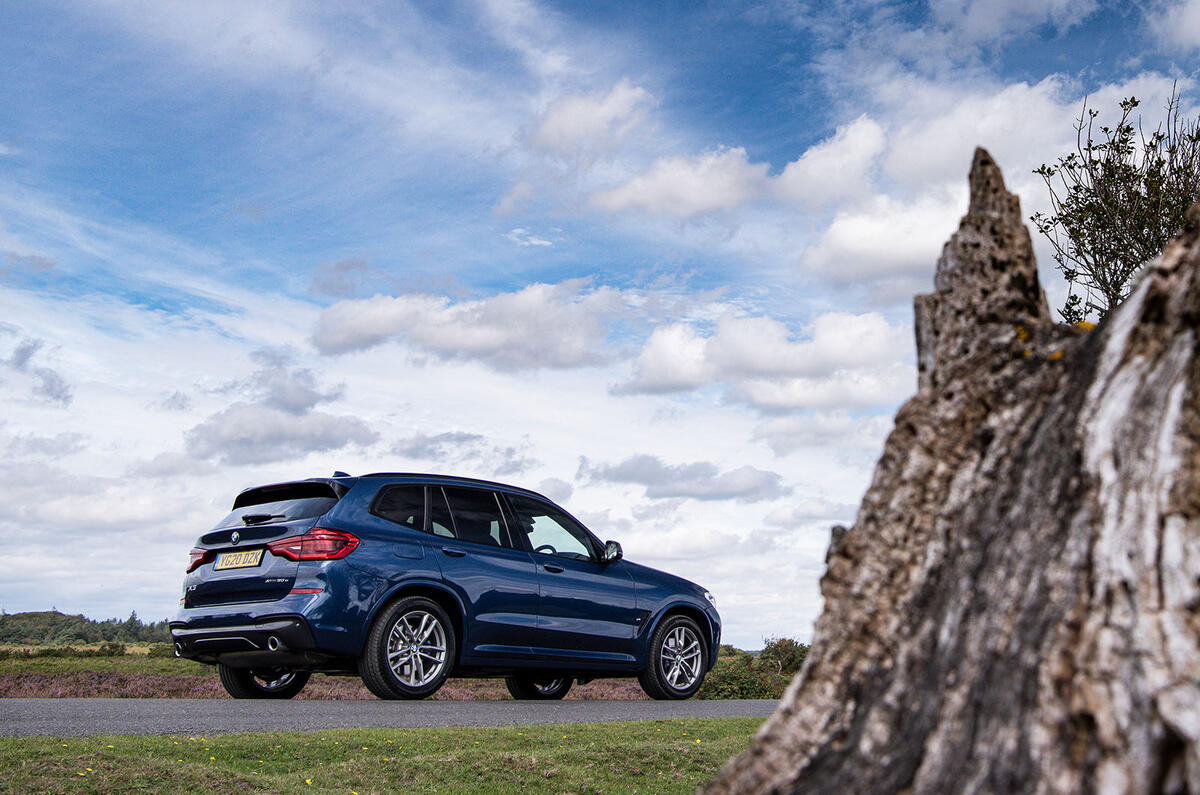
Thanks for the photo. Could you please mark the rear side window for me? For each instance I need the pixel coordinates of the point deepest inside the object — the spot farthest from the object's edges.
(404, 505)
(477, 517)
(280, 503)
(441, 523)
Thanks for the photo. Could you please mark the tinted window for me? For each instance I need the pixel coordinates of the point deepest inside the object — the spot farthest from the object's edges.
(280, 511)
(404, 505)
(441, 523)
(550, 531)
(477, 516)
(281, 502)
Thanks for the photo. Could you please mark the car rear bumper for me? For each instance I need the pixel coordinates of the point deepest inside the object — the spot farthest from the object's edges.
(269, 640)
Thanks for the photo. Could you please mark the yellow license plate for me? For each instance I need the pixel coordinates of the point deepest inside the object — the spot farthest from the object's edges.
(238, 560)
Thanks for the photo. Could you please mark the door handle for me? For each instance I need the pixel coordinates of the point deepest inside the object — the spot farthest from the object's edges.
(454, 553)
(552, 568)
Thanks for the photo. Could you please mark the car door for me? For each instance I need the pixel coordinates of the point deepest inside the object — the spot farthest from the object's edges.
(587, 610)
(496, 582)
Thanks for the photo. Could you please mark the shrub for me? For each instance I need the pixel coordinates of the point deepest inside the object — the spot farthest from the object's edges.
(783, 654)
(739, 677)
(160, 650)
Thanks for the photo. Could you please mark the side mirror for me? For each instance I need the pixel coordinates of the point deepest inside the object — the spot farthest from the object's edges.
(612, 552)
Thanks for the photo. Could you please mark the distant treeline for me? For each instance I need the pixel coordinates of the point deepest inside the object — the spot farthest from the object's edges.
(56, 629)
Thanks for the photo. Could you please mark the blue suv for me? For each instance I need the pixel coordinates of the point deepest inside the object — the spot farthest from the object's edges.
(406, 580)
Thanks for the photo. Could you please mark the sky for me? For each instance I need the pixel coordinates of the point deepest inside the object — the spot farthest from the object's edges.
(655, 260)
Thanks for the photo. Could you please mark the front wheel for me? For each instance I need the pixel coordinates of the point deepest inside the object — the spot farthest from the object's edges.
(538, 687)
(409, 650)
(678, 660)
(261, 682)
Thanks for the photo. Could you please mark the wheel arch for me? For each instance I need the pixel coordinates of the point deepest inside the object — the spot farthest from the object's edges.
(693, 612)
(437, 592)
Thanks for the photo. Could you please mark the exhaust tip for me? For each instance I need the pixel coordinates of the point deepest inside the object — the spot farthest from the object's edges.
(178, 649)
(273, 643)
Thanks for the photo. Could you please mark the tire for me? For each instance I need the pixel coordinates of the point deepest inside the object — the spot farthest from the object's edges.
(409, 650)
(261, 682)
(678, 660)
(538, 688)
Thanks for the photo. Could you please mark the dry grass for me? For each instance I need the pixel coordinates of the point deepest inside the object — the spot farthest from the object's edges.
(134, 676)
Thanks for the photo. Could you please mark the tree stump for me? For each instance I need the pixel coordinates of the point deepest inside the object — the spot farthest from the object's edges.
(1017, 606)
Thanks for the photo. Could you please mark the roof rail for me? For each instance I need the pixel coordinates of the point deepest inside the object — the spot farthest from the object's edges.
(454, 478)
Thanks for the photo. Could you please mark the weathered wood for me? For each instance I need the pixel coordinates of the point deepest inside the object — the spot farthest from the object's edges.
(1017, 606)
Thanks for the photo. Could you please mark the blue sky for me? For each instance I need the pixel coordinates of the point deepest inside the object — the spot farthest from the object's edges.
(656, 259)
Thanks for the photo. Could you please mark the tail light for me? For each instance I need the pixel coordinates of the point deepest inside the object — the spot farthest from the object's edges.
(320, 543)
(198, 557)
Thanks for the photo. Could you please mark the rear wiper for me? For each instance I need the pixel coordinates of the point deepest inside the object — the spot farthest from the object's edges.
(259, 518)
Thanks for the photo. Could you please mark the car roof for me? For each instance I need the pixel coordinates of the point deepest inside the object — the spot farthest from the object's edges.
(453, 480)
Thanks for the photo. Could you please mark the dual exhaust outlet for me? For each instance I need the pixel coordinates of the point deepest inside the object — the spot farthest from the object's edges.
(273, 643)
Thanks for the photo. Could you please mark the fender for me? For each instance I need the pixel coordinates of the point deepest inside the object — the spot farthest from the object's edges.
(403, 585)
(652, 625)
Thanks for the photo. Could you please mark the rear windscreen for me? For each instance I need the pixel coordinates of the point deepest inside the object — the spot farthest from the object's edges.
(281, 503)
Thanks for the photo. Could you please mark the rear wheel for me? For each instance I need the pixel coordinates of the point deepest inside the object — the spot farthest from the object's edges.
(678, 660)
(409, 650)
(538, 687)
(262, 682)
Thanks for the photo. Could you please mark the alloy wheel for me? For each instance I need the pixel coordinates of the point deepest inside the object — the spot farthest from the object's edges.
(416, 648)
(272, 681)
(680, 658)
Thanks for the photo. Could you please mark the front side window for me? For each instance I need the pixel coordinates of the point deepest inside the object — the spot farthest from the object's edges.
(477, 516)
(404, 505)
(550, 531)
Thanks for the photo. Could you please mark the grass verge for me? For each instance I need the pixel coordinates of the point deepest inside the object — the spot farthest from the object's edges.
(662, 756)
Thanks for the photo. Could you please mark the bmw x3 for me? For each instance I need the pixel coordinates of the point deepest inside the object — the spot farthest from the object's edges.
(407, 579)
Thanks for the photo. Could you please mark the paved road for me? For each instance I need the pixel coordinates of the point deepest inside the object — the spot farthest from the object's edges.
(80, 717)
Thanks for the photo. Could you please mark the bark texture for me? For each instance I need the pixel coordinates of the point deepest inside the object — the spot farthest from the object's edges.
(1017, 606)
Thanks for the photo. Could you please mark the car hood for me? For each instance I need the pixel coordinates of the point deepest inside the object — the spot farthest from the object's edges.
(645, 575)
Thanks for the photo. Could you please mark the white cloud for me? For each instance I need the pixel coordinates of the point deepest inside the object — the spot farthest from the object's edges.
(673, 359)
(523, 237)
(246, 433)
(47, 447)
(515, 199)
(762, 346)
(579, 126)
(809, 510)
(1176, 24)
(701, 480)
(542, 325)
(887, 240)
(844, 357)
(836, 429)
(843, 389)
(683, 187)
(7, 151)
(456, 448)
(993, 20)
(835, 169)
(44, 383)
